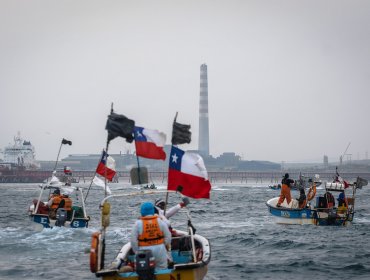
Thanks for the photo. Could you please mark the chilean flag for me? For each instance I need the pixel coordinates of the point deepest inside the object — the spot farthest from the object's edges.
(149, 143)
(106, 166)
(188, 171)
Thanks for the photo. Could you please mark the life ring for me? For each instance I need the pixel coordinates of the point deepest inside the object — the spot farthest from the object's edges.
(94, 251)
(311, 193)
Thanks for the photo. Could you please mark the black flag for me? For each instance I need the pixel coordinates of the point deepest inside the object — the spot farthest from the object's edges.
(65, 141)
(119, 125)
(180, 133)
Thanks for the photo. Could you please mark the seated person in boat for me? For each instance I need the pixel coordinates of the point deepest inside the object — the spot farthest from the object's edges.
(151, 233)
(66, 203)
(42, 209)
(53, 203)
(330, 201)
(285, 190)
(59, 201)
(342, 200)
(302, 200)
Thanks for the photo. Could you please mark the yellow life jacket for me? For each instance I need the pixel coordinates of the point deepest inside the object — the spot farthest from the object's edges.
(152, 234)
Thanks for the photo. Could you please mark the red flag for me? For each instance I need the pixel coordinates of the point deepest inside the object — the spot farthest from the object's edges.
(187, 170)
(106, 166)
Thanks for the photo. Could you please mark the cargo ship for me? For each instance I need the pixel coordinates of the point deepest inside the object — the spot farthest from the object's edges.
(19, 163)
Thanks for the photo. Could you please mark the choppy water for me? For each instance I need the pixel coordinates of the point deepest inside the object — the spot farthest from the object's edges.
(245, 242)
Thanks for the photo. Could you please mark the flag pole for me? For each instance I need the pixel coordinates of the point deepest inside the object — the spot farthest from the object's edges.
(165, 206)
(138, 169)
(56, 162)
(106, 149)
(92, 179)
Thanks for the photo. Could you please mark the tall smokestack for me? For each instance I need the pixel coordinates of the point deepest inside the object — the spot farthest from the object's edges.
(203, 113)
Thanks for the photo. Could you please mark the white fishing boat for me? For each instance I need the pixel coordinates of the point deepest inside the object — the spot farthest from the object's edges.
(59, 203)
(190, 252)
(323, 210)
(72, 215)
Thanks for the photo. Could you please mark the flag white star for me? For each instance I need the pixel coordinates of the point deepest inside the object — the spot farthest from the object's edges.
(174, 158)
(139, 134)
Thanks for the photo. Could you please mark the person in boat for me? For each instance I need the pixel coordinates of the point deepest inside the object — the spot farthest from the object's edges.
(151, 233)
(54, 203)
(285, 190)
(302, 200)
(42, 209)
(160, 205)
(342, 200)
(330, 201)
(66, 203)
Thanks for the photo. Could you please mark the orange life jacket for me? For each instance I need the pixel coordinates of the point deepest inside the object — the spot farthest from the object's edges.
(56, 200)
(67, 203)
(152, 234)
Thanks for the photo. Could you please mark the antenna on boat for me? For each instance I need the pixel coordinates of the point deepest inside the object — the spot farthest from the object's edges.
(64, 141)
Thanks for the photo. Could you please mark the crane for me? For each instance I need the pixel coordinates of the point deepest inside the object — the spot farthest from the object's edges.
(345, 153)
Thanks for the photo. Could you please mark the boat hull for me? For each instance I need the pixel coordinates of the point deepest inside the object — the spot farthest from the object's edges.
(183, 268)
(167, 274)
(285, 215)
(45, 221)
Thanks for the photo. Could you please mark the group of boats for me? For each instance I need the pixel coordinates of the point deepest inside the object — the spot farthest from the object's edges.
(190, 252)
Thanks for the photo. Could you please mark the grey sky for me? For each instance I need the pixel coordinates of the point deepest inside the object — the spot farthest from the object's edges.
(288, 80)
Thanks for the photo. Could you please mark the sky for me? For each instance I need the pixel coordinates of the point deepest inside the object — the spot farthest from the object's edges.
(287, 80)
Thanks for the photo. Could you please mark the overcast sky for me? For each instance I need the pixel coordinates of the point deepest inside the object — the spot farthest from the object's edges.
(288, 80)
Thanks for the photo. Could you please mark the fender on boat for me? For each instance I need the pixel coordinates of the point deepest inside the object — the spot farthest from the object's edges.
(94, 251)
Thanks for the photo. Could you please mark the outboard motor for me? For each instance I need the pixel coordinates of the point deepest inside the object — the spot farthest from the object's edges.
(145, 265)
(61, 217)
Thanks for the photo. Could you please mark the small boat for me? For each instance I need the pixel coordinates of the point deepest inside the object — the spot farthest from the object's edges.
(190, 252)
(275, 187)
(149, 187)
(322, 211)
(63, 211)
(71, 216)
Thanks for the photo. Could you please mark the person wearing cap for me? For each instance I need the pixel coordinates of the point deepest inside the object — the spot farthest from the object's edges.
(55, 199)
(151, 233)
(285, 190)
(160, 204)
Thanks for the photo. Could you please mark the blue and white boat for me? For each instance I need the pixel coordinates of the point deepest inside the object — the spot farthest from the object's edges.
(66, 212)
(75, 217)
(322, 210)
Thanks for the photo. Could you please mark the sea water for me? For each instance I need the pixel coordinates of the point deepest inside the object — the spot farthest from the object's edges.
(245, 241)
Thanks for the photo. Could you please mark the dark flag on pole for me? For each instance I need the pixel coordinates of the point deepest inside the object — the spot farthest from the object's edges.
(180, 133)
(119, 125)
(65, 141)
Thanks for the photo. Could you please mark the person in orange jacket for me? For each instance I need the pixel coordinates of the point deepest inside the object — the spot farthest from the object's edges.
(151, 233)
(285, 190)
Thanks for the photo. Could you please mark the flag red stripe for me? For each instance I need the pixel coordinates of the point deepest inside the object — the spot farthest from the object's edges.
(149, 150)
(193, 186)
(101, 171)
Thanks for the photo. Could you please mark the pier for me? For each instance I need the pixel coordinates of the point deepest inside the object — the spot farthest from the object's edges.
(160, 177)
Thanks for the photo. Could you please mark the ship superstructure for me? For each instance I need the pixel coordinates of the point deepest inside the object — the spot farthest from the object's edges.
(20, 154)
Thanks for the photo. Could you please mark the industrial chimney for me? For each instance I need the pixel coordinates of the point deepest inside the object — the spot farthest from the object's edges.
(203, 113)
